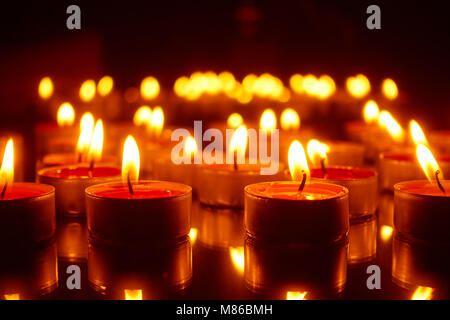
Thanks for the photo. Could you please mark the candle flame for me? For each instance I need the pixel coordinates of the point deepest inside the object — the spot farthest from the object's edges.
(238, 143)
(389, 88)
(325, 87)
(45, 88)
(386, 232)
(193, 234)
(65, 115)
(296, 295)
(190, 148)
(238, 258)
(133, 294)
(387, 121)
(290, 119)
(417, 134)
(358, 86)
(268, 120)
(105, 86)
(371, 112)
(296, 83)
(87, 128)
(142, 116)
(156, 121)
(95, 149)
(422, 293)
(149, 88)
(235, 120)
(87, 90)
(298, 164)
(7, 169)
(428, 162)
(317, 151)
(131, 160)
(12, 296)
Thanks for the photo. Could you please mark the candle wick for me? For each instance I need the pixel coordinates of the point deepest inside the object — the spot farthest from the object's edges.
(79, 157)
(235, 160)
(302, 185)
(322, 165)
(130, 187)
(91, 167)
(4, 190)
(439, 182)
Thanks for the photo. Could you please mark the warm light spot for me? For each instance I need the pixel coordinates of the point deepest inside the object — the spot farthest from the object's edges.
(7, 169)
(389, 88)
(131, 160)
(238, 143)
(310, 84)
(105, 86)
(193, 234)
(371, 112)
(87, 90)
(248, 82)
(268, 120)
(422, 293)
(317, 151)
(428, 163)
(387, 121)
(87, 128)
(386, 232)
(358, 86)
(181, 86)
(234, 120)
(95, 149)
(142, 116)
(416, 133)
(228, 81)
(190, 149)
(325, 87)
(65, 115)
(298, 164)
(237, 257)
(45, 88)
(290, 119)
(133, 294)
(156, 121)
(12, 296)
(296, 83)
(149, 88)
(296, 295)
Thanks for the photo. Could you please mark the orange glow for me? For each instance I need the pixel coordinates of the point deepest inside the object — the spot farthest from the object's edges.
(133, 294)
(389, 88)
(416, 133)
(234, 120)
(95, 149)
(12, 296)
(422, 293)
(7, 169)
(190, 148)
(237, 257)
(325, 87)
(65, 115)
(298, 164)
(310, 84)
(181, 86)
(87, 90)
(268, 120)
(105, 86)
(296, 295)
(386, 232)
(371, 112)
(87, 128)
(290, 119)
(149, 88)
(317, 151)
(238, 143)
(45, 88)
(358, 86)
(142, 116)
(156, 121)
(131, 160)
(193, 235)
(296, 83)
(228, 81)
(387, 121)
(428, 162)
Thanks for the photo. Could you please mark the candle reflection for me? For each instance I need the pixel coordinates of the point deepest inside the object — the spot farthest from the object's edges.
(362, 240)
(133, 294)
(422, 293)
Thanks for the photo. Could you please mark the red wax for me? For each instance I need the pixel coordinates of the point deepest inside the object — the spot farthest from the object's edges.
(26, 191)
(423, 187)
(80, 172)
(141, 190)
(334, 173)
(47, 126)
(411, 157)
(289, 191)
(58, 159)
(230, 167)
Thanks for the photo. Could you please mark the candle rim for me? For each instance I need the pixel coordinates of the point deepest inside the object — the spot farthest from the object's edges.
(50, 190)
(41, 173)
(398, 188)
(374, 174)
(66, 156)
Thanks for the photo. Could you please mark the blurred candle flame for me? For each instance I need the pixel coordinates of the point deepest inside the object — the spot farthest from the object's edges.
(387, 121)
(268, 120)
(87, 128)
(298, 164)
(358, 86)
(417, 134)
(190, 149)
(371, 112)
(131, 160)
(87, 90)
(234, 120)
(7, 169)
(386, 232)
(142, 116)
(238, 143)
(237, 257)
(389, 88)
(133, 294)
(290, 119)
(45, 89)
(428, 162)
(156, 121)
(296, 83)
(422, 293)
(193, 234)
(65, 115)
(317, 151)
(149, 88)
(12, 296)
(96, 146)
(296, 295)
(105, 85)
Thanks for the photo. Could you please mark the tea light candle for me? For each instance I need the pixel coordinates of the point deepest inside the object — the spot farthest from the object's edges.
(65, 159)
(137, 212)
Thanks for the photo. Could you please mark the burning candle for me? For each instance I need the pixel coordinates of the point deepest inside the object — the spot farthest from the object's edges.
(296, 211)
(137, 212)
(71, 181)
(361, 183)
(28, 209)
(422, 206)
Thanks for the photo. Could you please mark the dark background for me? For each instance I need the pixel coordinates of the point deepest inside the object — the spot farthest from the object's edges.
(131, 39)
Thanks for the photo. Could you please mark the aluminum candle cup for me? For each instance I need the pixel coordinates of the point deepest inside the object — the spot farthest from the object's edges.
(51, 138)
(70, 183)
(28, 213)
(362, 187)
(394, 167)
(277, 211)
(421, 210)
(157, 211)
(362, 240)
(345, 154)
(221, 185)
(164, 169)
